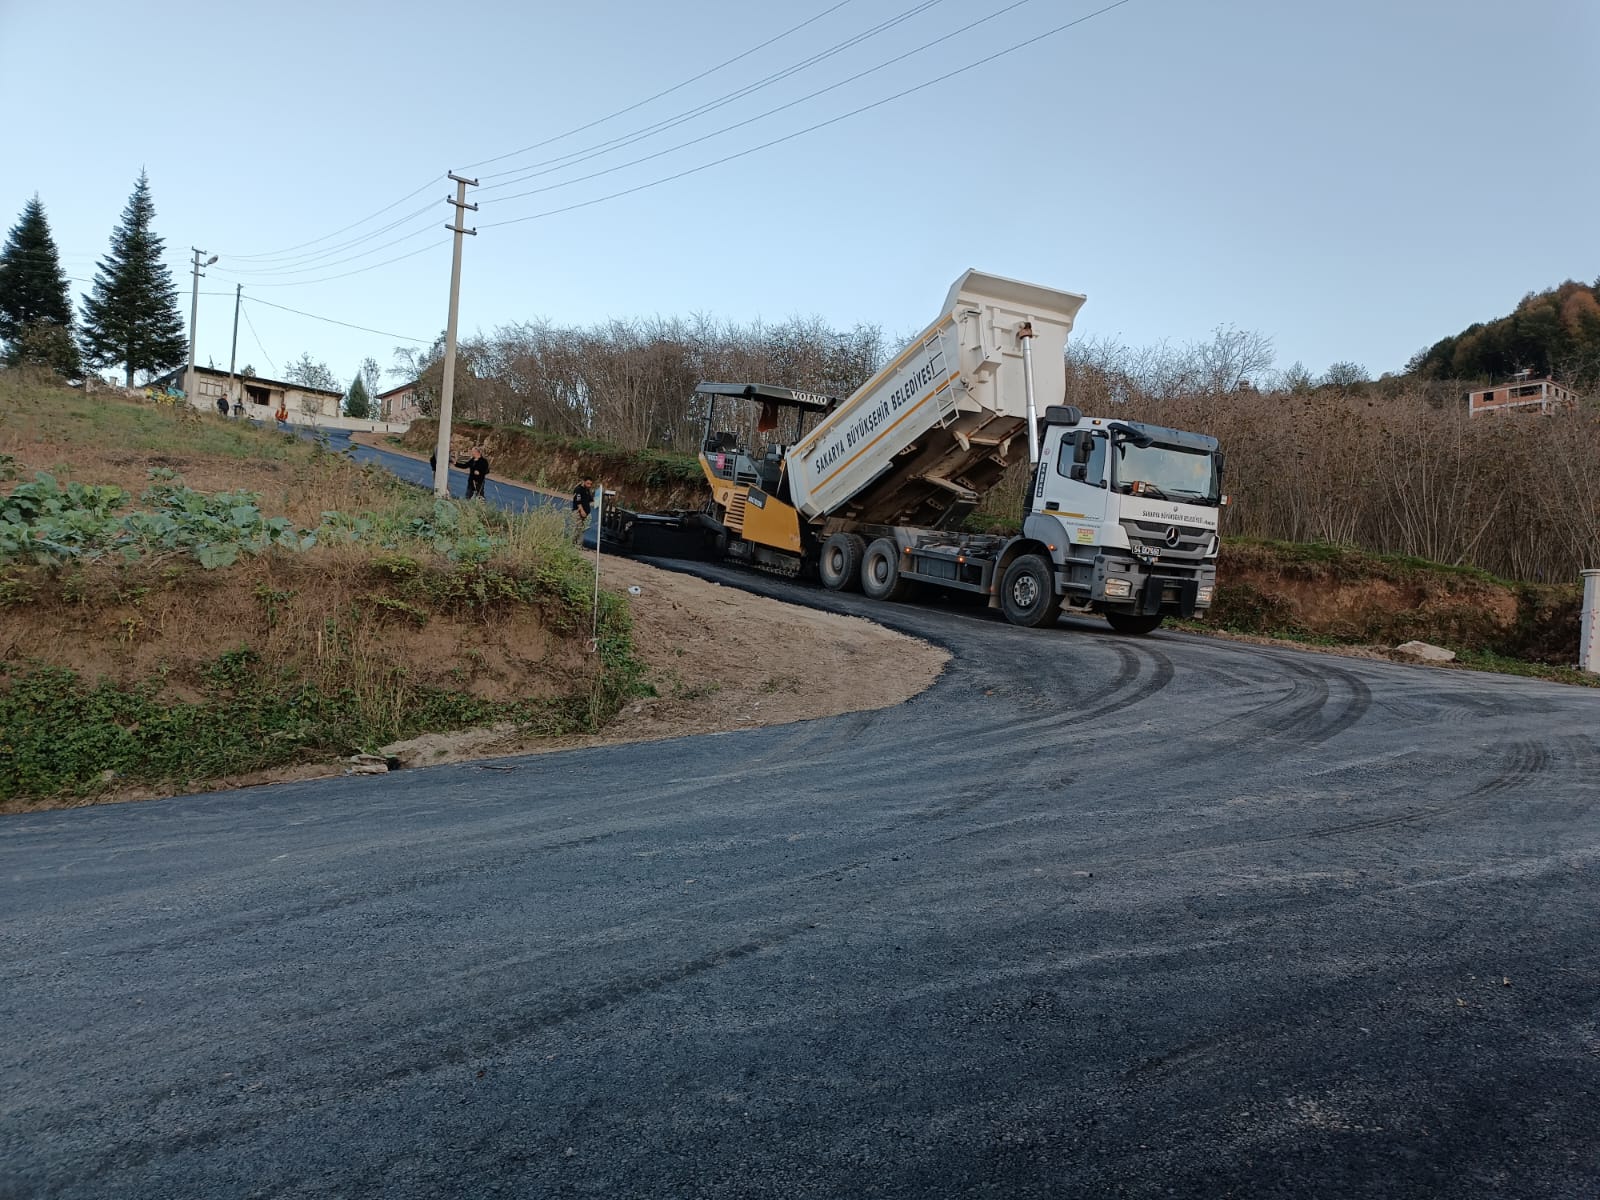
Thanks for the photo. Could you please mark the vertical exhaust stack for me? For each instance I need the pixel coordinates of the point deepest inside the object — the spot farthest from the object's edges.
(1025, 336)
(1589, 629)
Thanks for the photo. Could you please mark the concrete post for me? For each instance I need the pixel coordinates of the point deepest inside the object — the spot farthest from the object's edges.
(441, 474)
(194, 313)
(1589, 624)
(233, 354)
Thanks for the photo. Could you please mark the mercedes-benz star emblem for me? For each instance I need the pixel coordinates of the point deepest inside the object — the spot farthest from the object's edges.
(1173, 535)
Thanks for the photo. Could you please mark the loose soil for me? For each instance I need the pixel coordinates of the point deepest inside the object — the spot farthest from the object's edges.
(720, 660)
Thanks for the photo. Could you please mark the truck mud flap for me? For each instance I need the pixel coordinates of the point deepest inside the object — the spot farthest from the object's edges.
(1169, 596)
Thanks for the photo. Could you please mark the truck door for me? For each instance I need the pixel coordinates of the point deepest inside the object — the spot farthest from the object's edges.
(1074, 483)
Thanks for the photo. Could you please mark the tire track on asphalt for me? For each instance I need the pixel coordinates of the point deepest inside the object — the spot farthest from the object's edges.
(1525, 761)
(333, 903)
(549, 1012)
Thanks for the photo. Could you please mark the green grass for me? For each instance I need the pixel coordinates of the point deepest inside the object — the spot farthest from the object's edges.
(1471, 660)
(1348, 562)
(67, 736)
(1500, 664)
(116, 424)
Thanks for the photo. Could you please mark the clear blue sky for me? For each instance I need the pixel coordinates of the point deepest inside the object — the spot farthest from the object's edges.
(1354, 180)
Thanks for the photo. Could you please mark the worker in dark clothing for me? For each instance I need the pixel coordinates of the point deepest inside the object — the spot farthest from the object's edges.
(477, 471)
(582, 504)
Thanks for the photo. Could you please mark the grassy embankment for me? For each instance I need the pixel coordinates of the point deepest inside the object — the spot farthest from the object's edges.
(645, 480)
(185, 600)
(1314, 593)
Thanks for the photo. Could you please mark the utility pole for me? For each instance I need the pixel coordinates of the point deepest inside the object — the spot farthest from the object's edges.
(441, 471)
(194, 313)
(233, 353)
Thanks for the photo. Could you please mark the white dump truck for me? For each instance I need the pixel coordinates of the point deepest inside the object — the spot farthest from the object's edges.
(1120, 518)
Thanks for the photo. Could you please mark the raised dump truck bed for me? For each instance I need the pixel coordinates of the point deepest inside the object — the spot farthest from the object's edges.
(925, 438)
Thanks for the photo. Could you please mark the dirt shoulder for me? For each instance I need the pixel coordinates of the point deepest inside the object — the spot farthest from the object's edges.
(721, 659)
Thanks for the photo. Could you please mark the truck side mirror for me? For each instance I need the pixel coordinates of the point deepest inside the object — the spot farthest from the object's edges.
(1080, 472)
(1081, 451)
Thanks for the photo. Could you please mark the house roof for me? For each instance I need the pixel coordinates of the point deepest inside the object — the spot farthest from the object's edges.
(395, 391)
(175, 376)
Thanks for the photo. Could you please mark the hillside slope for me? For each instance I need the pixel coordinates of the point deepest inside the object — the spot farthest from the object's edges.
(187, 601)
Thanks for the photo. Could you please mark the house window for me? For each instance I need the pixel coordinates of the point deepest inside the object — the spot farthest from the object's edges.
(257, 395)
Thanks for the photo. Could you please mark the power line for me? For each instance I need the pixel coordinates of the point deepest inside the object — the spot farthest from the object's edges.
(762, 116)
(362, 270)
(314, 258)
(788, 137)
(251, 325)
(585, 153)
(331, 321)
(313, 267)
(667, 92)
(354, 224)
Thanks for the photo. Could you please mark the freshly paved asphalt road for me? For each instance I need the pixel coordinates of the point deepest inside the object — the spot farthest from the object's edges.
(1091, 917)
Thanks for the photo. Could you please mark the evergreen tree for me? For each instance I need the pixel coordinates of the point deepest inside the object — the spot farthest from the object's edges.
(356, 401)
(133, 317)
(35, 311)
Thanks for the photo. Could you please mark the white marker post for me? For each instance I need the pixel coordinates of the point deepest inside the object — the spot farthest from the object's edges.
(594, 614)
(1589, 624)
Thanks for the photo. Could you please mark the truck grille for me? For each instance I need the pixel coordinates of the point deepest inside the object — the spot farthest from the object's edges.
(1192, 543)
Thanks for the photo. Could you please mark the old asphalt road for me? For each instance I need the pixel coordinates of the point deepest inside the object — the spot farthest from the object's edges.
(1091, 917)
(509, 496)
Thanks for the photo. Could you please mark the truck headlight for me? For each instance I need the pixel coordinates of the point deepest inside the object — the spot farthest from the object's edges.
(1202, 595)
(1119, 587)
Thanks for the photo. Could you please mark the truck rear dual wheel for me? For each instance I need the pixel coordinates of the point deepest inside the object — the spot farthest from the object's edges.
(1133, 624)
(839, 565)
(1028, 592)
(880, 572)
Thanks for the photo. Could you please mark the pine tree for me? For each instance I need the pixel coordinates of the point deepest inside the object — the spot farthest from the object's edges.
(133, 317)
(356, 402)
(35, 311)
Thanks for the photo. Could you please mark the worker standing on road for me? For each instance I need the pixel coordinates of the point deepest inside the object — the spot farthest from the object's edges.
(477, 472)
(583, 504)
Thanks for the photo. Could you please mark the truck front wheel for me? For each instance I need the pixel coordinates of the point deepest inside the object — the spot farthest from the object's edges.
(880, 572)
(1133, 624)
(1028, 593)
(839, 565)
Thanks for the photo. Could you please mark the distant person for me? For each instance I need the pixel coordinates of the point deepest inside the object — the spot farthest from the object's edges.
(222, 406)
(283, 416)
(477, 472)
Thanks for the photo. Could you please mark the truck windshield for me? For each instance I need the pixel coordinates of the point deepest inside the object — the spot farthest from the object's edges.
(1167, 471)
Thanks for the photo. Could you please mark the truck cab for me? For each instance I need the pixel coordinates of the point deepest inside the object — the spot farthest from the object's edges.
(1129, 512)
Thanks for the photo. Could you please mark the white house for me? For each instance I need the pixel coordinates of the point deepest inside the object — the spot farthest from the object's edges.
(252, 396)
